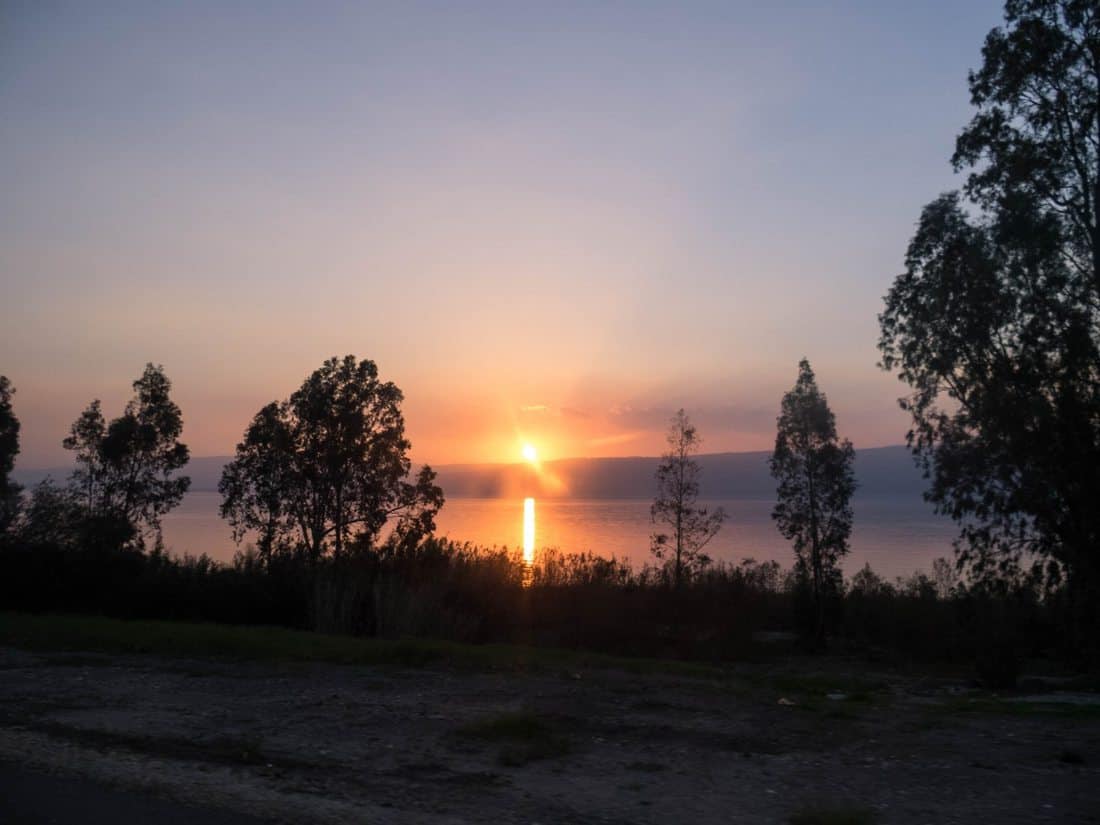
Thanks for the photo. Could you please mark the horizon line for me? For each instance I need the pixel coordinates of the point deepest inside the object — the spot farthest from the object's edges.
(229, 456)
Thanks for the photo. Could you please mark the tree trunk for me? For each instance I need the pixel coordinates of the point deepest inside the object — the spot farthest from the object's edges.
(339, 521)
(679, 546)
(1096, 214)
(815, 561)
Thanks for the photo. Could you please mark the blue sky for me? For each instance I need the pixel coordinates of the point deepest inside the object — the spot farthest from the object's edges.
(547, 222)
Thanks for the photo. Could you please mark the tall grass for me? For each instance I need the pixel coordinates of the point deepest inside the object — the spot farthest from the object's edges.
(460, 592)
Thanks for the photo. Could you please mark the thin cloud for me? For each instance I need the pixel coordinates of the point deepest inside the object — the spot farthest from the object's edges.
(609, 440)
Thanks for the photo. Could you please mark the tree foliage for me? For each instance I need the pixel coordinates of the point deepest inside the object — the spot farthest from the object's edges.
(690, 527)
(329, 468)
(9, 449)
(52, 516)
(813, 469)
(127, 470)
(995, 323)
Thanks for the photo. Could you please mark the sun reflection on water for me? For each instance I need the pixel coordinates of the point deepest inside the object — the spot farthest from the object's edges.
(528, 530)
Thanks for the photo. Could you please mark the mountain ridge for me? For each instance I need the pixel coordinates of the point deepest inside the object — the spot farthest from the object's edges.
(881, 471)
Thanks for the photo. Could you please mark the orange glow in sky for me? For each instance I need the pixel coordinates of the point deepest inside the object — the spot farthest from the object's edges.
(542, 229)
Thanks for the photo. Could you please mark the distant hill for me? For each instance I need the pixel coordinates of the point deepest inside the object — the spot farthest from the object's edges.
(204, 471)
(881, 471)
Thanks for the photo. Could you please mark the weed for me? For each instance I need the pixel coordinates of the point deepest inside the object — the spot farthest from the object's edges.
(525, 736)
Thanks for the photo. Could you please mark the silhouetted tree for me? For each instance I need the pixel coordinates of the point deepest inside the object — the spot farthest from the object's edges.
(255, 484)
(125, 477)
(995, 323)
(816, 482)
(329, 466)
(866, 582)
(692, 527)
(9, 449)
(52, 516)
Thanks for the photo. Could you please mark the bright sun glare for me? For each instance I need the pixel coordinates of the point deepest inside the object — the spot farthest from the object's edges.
(530, 453)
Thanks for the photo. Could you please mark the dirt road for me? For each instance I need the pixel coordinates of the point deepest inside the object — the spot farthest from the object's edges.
(328, 743)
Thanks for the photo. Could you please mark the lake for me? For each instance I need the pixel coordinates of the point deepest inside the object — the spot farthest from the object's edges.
(896, 535)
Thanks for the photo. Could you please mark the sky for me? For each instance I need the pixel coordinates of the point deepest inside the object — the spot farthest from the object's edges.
(545, 222)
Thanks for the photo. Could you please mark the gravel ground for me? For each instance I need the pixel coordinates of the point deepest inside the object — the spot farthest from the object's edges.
(325, 743)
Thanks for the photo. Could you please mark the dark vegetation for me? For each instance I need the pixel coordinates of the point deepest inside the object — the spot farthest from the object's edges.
(9, 448)
(813, 511)
(321, 497)
(452, 592)
(675, 507)
(994, 325)
(327, 469)
(995, 322)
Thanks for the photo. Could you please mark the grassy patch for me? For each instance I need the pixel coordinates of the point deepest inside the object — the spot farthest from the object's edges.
(856, 688)
(96, 633)
(832, 696)
(832, 815)
(206, 640)
(524, 737)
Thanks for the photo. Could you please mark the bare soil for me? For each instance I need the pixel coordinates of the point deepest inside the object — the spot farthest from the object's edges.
(325, 743)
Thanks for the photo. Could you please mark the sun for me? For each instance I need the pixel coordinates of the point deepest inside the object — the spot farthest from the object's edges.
(530, 454)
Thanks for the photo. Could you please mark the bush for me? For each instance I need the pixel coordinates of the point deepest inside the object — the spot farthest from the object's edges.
(447, 590)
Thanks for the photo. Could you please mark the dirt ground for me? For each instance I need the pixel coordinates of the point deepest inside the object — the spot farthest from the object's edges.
(329, 743)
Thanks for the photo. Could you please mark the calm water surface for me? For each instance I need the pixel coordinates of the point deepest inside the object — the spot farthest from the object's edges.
(896, 536)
